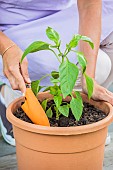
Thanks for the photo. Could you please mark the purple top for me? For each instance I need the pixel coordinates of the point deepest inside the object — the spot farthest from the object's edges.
(15, 12)
(25, 21)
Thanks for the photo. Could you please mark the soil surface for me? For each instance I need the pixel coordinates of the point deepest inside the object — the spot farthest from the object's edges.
(90, 115)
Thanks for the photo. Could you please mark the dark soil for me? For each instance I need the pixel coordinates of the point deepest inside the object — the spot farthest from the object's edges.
(90, 115)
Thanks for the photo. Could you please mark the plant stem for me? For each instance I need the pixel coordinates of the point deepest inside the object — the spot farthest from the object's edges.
(59, 50)
(66, 52)
(74, 51)
(56, 55)
(45, 76)
(57, 115)
(62, 59)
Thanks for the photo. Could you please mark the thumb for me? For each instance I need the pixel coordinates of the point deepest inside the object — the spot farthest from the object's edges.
(24, 71)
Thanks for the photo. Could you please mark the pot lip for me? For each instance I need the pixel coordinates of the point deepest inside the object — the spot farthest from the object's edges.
(59, 130)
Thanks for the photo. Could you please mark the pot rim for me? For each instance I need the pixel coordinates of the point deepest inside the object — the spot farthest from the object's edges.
(59, 130)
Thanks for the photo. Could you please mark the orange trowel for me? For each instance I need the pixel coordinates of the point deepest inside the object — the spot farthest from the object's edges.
(33, 109)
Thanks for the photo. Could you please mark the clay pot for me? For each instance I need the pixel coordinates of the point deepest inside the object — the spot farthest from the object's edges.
(60, 148)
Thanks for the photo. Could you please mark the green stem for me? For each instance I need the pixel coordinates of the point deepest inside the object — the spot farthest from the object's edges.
(59, 50)
(45, 76)
(74, 51)
(66, 52)
(57, 115)
(62, 59)
(56, 55)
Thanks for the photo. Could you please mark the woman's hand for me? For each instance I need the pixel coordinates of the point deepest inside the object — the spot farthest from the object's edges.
(99, 93)
(17, 74)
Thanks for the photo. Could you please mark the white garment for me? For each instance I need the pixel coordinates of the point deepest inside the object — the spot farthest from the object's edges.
(103, 67)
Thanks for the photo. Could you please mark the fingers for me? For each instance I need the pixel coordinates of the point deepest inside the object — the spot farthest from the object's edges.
(24, 71)
(108, 96)
(13, 82)
(15, 78)
(20, 81)
(11, 79)
(100, 93)
(109, 93)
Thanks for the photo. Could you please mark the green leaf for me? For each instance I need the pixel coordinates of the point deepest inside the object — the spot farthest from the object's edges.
(78, 96)
(40, 87)
(35, 86)
(54, 80)
(53, 46)
(54, 90)
(76, 106)
(87, 39)
(44, 104)
(49, 113)
(55, 74)
(82, 61)
(74, 42)
(90, 85)
(47, 88)
(64, 110)
(68, 73)
(52, 35)
(34, 47)
(58, 100)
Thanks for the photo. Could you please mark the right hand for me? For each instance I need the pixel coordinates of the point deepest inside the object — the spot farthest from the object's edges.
(17, 74)
(99, 92)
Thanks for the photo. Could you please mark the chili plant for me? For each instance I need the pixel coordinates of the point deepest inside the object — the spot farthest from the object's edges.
(63, 80)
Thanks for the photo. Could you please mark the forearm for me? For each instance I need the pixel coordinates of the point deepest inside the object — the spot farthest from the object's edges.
(4, 42)
(90, 25)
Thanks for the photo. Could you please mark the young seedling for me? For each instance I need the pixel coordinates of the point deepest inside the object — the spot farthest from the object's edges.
(63, 80)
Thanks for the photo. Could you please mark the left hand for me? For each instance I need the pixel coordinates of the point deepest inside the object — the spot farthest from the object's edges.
(99, 92)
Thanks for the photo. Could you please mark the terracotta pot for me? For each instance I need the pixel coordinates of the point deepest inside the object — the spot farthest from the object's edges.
(60, 148)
